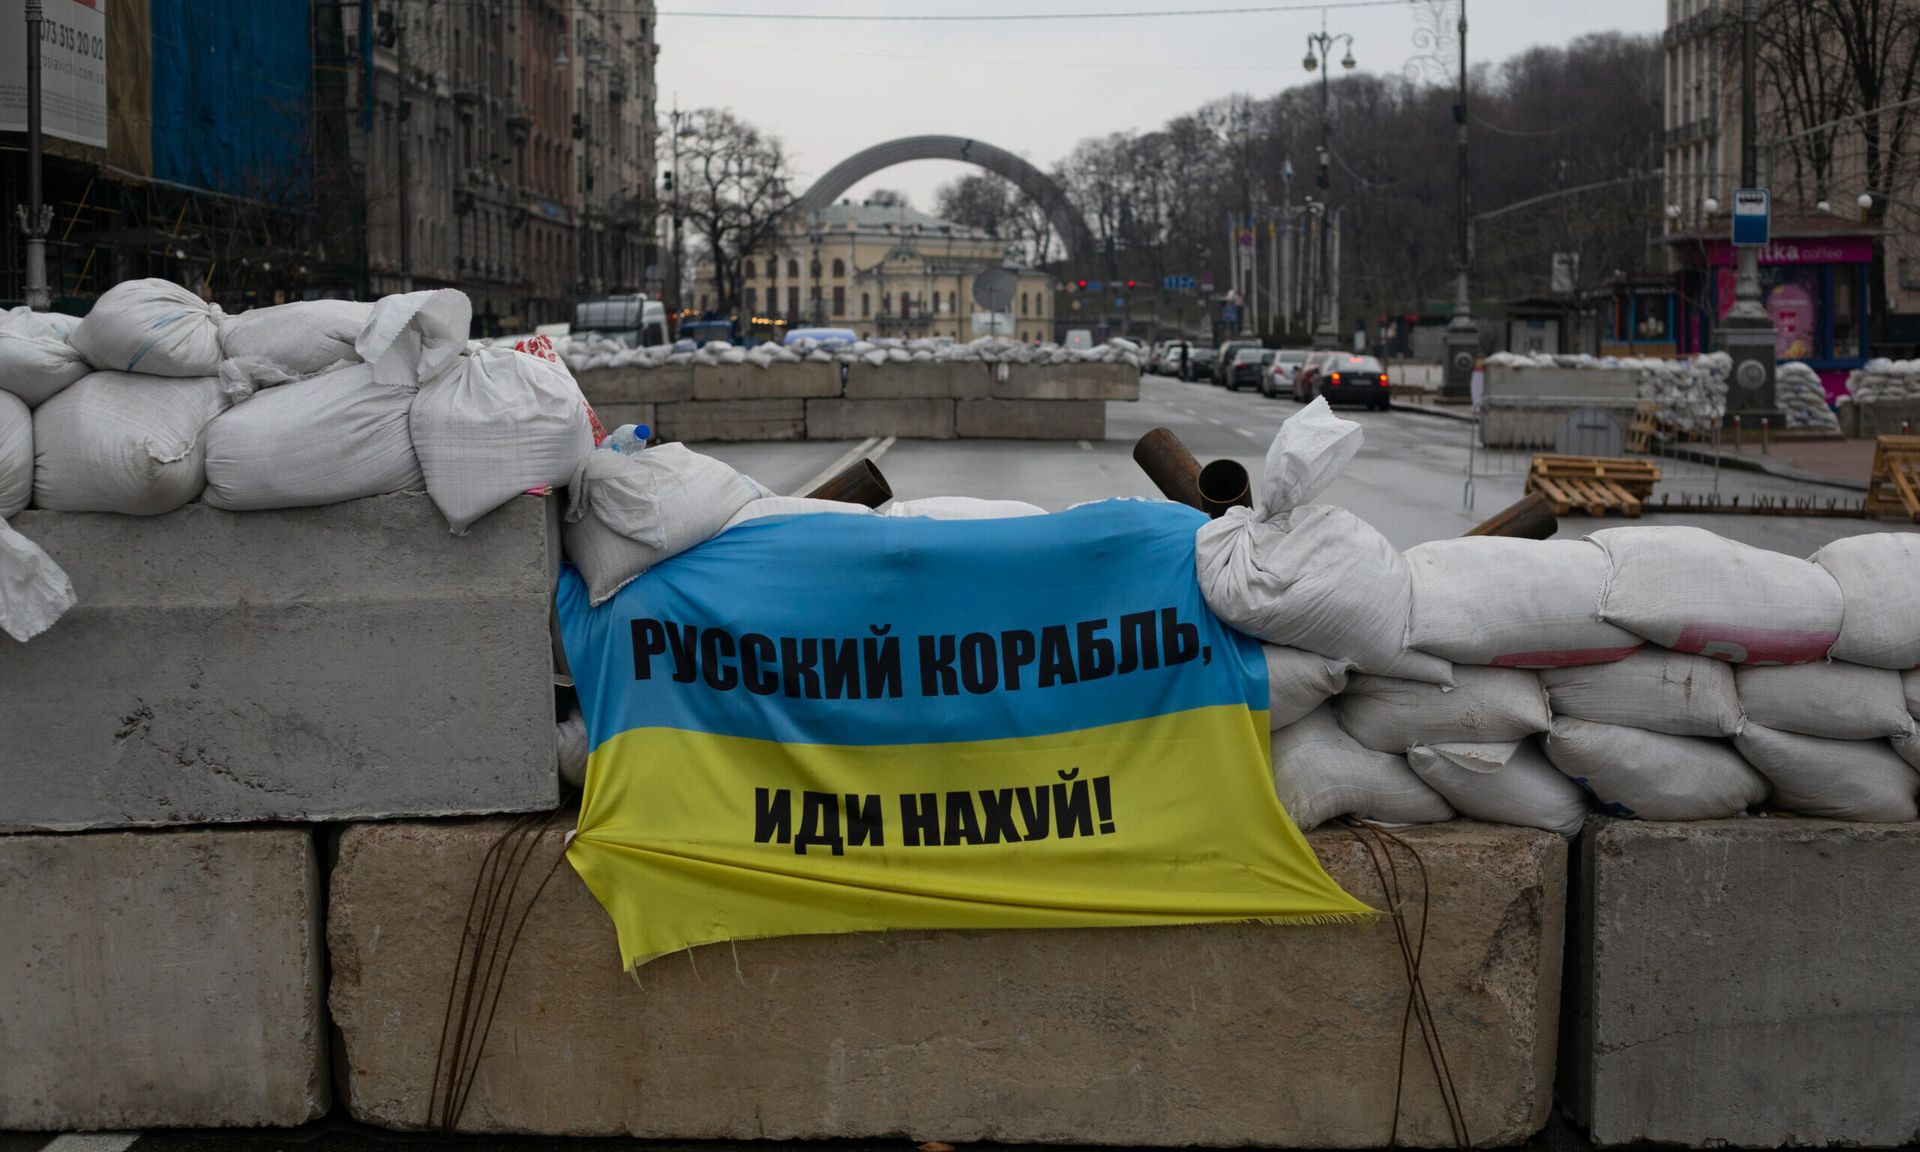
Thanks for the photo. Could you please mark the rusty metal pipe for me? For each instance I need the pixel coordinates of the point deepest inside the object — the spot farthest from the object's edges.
(858, 483)
(1224, 484)
(1170, 466)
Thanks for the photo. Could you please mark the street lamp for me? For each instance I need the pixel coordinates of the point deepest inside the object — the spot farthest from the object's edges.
(1746, 334)
(1319, 48)
(1463, 335)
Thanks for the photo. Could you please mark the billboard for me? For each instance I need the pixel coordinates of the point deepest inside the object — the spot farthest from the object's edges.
(73, 70)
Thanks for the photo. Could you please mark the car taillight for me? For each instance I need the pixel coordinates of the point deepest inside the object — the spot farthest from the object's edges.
(1383, 379)
(1336, 377)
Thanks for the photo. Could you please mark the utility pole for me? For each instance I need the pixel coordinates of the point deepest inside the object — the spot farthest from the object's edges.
(1319, 49)
(36, 218)
(1747, 332)
(403, 112)
(1463, 335)
(673, 185)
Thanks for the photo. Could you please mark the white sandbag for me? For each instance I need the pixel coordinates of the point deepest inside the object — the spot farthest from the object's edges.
(335, 437)
(1313, 577)
(117, 442)
(154, 327)
(494, 425)
(628, 513)
(34, 591)
(1513, 603)
(1651, 775)
(1908, 749)
(1653, 689)
(1832, 700)
(1910, 687)
(1489, 706)
(767, 506)
(570, 748)
(963, 508)
(1692, 591)
(1320, 773)
(16, 455)
(301, 338)
(1879, 578)
(1839, 779)
(36, 359)
(1298, 682)
(415, 338)
(1509, 783)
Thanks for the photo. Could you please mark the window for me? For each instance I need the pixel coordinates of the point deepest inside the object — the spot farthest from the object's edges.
(866, 305)
(839, 300)
(953, 302)
(906, 305)
(793, 268)
(886, 303)
(749, 275)
(839, 267)
(793, 301)
(753, 301)
(1023, 305)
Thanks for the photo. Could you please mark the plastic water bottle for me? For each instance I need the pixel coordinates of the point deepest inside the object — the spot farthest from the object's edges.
(628, 439)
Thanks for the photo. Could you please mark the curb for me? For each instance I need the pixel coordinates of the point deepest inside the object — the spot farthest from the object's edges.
(1434, 411)
(1767, 467)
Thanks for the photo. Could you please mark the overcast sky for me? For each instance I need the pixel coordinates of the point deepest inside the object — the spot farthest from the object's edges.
(1038, 87)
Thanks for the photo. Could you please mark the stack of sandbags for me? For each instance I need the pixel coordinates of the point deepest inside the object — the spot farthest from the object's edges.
(1883, 379)
(33, 590)
(628, 512)
(295, 340)
(124, 442)
(154, 327)
(36, 358)
(336, 436)
(1312, 576)
(1799, 392)
(1821, 735)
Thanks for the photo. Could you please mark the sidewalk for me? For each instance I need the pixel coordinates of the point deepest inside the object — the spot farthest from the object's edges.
(1841, 463)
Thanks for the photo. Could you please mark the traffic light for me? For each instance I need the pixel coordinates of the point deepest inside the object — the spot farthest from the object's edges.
(1129, 284)
(1083, 284)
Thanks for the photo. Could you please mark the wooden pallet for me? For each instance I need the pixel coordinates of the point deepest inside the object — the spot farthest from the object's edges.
(1595, 485)
(1646, 424)
(1893, 488)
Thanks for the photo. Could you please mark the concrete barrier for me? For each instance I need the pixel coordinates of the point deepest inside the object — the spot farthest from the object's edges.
(663, 385)
(161, 980)
(1032, 419)
(928, 419)
(354, 661)
(1088, 381)
(915, 381)
(775, 382)
(1745, 983)
(1209, 1035)
(732, 420)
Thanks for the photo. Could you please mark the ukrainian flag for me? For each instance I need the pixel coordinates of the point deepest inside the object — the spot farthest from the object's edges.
(830, 723)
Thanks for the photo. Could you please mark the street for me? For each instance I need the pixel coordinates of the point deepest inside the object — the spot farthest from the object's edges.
(1408, 480)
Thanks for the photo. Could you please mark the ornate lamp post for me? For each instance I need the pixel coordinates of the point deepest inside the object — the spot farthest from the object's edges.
(1319, 49)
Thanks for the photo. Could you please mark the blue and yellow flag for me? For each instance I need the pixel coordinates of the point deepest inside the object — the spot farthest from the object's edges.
(856, 723)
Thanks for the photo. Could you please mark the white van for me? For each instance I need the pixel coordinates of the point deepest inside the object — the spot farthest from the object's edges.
(633, 320)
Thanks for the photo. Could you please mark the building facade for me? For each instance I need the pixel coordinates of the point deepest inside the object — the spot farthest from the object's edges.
(884, 271)
(1817, 274)
(503, 147)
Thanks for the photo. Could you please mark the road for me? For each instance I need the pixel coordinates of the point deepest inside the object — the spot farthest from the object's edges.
(1408, 480)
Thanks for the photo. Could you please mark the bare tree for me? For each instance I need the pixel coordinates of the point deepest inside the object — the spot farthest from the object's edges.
(888, 198)
(735, 187)
(978, 201)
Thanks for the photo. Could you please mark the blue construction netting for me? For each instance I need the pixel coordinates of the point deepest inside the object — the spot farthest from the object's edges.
(233, 96)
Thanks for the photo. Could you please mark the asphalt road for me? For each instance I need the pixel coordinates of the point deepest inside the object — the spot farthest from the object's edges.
(1409, 479)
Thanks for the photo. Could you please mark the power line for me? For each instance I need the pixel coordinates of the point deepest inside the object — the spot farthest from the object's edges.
(909, 57)
(1009, 17)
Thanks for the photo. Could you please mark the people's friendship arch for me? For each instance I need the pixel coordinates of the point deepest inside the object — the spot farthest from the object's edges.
(1037, 185)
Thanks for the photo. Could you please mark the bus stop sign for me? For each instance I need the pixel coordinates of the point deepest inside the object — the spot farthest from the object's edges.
(1750, 217)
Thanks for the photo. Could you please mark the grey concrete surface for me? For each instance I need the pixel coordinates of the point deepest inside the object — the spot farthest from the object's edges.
(1032, 419)
(698, 420)
(161, 979)
(917, 381)
(1068, 382)
(752, 382)
(662, 385)
(923, 419)
(1745, 983)
(1209, 1035)
(348, 662)
(1408, 479)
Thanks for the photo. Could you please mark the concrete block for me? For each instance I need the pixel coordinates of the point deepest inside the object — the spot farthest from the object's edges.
(354, 661)
(613, 415)
(1746, 983)
(630, 385)
(1884, 418)
(1032, 419)
(910, 381)
(1203, 1035)
(1088, 381)
(161, 980)
(703, 420)
(858, 419)
(776, 381)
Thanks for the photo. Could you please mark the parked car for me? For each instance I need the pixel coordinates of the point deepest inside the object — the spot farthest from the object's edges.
(1224, 364)
(1250, 368)
(1279, 378)
(1303, 378)
(1349, 379)
(1200, 362)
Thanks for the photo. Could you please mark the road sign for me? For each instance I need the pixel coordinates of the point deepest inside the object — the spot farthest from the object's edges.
(1094, 286)
(1751, 217)
(1177, 283)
